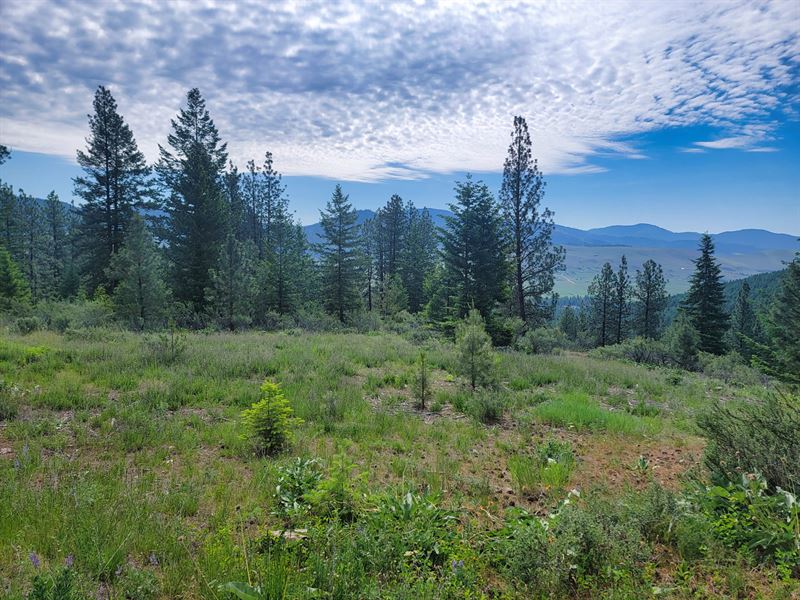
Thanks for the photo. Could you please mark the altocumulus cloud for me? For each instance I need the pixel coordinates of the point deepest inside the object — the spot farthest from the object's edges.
(366, 91)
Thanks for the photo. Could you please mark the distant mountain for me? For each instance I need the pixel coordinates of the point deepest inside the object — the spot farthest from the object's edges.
(741, 253)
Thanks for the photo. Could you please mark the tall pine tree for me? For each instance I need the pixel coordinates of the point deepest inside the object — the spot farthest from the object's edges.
(339, 256)
(14, 289)
(191, 169)
(704, 303)
(474, 251)
(418, 257)
(115, 183)
(781, 357)
(651, 299)
(622, 292)
(744, 323)
(535, 259)
(602, 293)
(55, 224)
(232, 287)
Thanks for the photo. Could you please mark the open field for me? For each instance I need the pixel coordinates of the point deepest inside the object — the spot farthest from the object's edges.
(125, 454)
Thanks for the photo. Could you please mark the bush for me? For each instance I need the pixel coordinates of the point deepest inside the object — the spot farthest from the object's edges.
(485, 406)
(27, 325)
(295, 481)
(543, 340)
(269, 422)
(756, 437)
(730, 368)
(683, 342)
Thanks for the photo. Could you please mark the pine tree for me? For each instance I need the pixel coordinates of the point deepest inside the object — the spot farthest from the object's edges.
(33, 256)
(198, 213)
(705, 301)
(651, 297)
(744, 324)
(10, 222)
(781, 357)
(339, 255)
(368, 248)
(602, 292)
(232, 287)
(419, 256)
(5, 153)
(286, 268)
(535, 259)
(55, 224)
(569, 323)
(140, 296)
(275, 205)
(476, 360)
(253, 195)
(115, 183)
(622, 294)
(393, 221)
(474, 250)
(13, 287)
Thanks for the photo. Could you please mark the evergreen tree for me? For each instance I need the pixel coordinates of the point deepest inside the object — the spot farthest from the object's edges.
(13, 287)
(231, 293)
(393, 221)
(115, 182)
(253, 195)
(33, 256)
(602, 293)
(622, 294)
(744, 324)
(339, 255)
(198, 213)
(395, 298)
(5, 153)
(55, 224)
(419, 256)
(286, 268)
(237, 209)
(651, 299)
(535, 259)
(10, 222)
(368, 247)
(476, 360)
(569, 323)
(275, 204)
(705, 301)
(474, 250)
(140, 296)
(781, 358)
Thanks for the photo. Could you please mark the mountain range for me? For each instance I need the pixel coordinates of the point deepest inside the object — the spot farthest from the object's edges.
(741, 253)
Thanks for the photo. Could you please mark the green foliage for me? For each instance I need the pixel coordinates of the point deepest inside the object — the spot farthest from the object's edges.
(10, 396)
(485, 406)
(543, 340)
(781, 357)
(602, 293)
(336, 495)
(269, 422)
(651, 296)
(476, 359)
(683, 341)
(704, 303)
(295, 480)
(54, 587)
(14, 290)
(759, 436)
(550, 467)
(27, 325)
(745, 515)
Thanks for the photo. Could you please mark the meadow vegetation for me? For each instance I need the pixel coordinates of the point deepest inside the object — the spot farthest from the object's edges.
(301, 464)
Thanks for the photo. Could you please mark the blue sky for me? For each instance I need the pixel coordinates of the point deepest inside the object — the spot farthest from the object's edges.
(681, 114)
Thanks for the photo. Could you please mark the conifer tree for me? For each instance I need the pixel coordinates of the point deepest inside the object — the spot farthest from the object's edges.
(535, 259)
(781, 357)
(622, 294)
(13, 287)
(286, 268)
(744, 324)
(275, 204)
(705, 301)
(141, 295)
(476, 360)
(33, 256)
(393, 221)
(602, 292)
(569, 323)
(339, 255)
(10, 225)
(232, 286)
(55, 224)
(115, 183)
(191, 169)
(368, 246)
(651, 299)
(474, 250)
(419, 256)
(5, 153)
(253, 195)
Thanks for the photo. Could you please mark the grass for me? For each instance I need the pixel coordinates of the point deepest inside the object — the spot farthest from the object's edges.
(132, 461)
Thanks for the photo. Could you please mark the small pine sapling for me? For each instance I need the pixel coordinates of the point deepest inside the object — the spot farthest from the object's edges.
(422, 385)
(270, 421)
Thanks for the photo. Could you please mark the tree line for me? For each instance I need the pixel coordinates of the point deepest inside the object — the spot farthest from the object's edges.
(194, 239)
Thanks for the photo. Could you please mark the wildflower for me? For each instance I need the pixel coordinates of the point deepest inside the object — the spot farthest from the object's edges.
(35, 560)
(153, 559)
(69, 560)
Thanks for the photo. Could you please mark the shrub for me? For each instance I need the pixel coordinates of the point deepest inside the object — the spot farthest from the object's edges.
(476, 359)
(58, 587)
(9, 400)
(756, 437)
(730, 368)
(683, 342)
(745, 515)
(269, 422)
(485, 406)
(27, 325)
(543, 340)
(295, 481)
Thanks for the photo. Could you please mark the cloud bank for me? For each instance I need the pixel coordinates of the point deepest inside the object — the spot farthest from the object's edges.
(369, 91)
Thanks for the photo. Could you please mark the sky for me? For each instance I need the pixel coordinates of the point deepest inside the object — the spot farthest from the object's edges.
(681, 114)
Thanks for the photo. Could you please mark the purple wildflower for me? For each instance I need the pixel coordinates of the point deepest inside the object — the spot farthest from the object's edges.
(69, 560)
(35, 560)
(153, 559)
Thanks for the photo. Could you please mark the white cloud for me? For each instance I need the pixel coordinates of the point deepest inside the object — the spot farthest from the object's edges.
(366, 91)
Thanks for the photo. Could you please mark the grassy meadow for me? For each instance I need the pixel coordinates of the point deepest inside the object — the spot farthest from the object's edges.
(123, 454)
